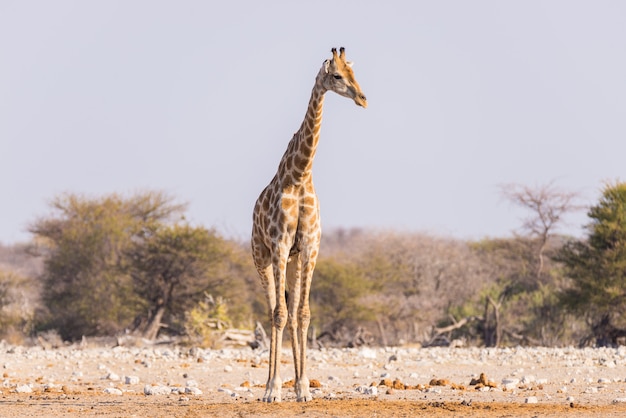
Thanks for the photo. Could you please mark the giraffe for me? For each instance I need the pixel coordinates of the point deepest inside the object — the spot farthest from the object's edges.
(286, 229)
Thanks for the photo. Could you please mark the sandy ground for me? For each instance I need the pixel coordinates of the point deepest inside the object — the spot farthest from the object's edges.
(165, 381)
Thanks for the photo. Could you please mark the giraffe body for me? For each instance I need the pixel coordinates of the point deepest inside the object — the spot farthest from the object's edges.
(286, 230)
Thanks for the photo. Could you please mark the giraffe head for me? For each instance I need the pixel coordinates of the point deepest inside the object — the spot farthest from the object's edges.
(337, 75)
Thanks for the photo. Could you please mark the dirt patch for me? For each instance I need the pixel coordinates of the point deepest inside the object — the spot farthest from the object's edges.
(142, 406)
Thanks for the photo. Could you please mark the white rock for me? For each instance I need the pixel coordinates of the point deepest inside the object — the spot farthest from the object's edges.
(226, 391)
(604, 380)
(157, 390)
(193, 390)
(23, 389)
(531, 399)
(619, 400)
(609, 364)
(112, 376)
(191, 383)
(228, 369)
(591, 390)
(510, 383)
(367, 353)
(528, 379)
(570, 399)
(542, 381)
(112, 391)
(371, 390)
(131, 380)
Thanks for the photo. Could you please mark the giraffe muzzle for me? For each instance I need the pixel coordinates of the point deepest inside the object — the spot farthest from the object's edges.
(360, 100)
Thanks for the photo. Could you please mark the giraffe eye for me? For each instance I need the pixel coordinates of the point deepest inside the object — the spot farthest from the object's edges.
(337, 76)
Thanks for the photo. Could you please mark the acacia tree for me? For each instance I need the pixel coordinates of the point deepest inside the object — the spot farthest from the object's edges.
(85, 285)
(172, 267)
(519, 302)
(547, 205)
(597, 268)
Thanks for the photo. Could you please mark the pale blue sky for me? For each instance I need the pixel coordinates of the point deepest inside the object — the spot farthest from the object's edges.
(200, 99)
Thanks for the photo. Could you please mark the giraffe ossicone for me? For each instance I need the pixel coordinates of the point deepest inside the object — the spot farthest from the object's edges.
(286, 229)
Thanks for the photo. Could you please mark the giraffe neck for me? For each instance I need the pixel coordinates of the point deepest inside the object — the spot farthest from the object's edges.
(297, 163)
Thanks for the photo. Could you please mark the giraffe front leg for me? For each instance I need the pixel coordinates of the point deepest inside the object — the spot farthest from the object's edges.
(273, 386)
(273, 391)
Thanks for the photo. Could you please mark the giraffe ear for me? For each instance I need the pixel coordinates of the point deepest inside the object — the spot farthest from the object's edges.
(326, 66)
(349, 63)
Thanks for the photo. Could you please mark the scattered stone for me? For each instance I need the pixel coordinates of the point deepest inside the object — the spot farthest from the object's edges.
(439, 382)
(157, 390)
(619, 400)
(193, 390)
(131, 380)
(483, 382)
(23, 389)
(367, 390)
(225, 390)
(454, 386)
(397, 384)
(510, 383)
(368, 353)
(531, 399)
(228, 369)
(113, 391)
